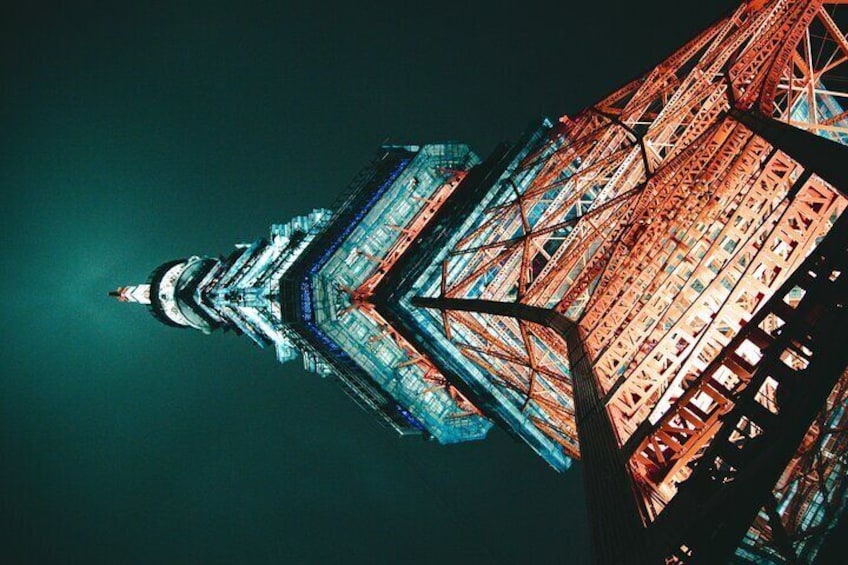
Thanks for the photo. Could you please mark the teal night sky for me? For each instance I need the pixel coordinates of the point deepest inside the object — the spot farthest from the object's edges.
(137, 134)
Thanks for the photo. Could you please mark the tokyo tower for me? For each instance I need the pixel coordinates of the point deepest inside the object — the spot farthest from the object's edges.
(651, 285)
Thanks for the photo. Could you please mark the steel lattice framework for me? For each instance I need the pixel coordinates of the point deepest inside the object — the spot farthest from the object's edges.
(654, 285)
(664, 224)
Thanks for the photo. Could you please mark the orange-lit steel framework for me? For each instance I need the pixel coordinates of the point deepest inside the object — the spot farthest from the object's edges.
(662, 226)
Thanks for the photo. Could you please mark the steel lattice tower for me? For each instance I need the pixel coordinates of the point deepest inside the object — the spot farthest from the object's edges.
(652, 285)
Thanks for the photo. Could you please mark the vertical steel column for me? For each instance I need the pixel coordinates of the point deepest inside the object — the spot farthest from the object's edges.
(618, 536)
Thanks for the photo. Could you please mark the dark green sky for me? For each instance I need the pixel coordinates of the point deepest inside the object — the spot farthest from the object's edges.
(136, 134)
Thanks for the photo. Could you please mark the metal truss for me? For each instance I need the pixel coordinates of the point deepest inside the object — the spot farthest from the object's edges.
(664, 223)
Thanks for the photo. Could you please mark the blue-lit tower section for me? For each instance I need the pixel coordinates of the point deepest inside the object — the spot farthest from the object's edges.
(236, 293)
(493, 370)
(242, 289)
(310, 289)
(328, 296)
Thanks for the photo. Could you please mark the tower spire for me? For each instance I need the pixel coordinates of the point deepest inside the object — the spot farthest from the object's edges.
(139, 293)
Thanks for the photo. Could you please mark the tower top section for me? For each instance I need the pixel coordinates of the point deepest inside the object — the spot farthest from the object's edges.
(139, 293)
(170, 293)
